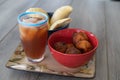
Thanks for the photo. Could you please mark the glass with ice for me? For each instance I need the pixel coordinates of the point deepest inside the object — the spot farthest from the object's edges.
(33, 30)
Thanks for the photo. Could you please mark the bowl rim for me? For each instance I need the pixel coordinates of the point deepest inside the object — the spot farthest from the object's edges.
(86, 53)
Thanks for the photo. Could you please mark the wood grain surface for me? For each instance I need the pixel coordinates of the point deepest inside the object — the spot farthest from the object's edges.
(112, 14)
(99, 17)
(89, 15)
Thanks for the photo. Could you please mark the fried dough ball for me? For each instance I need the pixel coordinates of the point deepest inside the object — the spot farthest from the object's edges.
(72, 50)
(78, 36)
(60, 46)
(84, 45)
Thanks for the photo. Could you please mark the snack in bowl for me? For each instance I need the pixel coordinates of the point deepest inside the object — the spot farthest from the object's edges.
(79, 45)
(71, 58)
(61, 13)
(60, 23)
(58, 20)
(60, 46)
(36, 10)
(78, 36)
(58, 28)
(72, 50)
(81, 41)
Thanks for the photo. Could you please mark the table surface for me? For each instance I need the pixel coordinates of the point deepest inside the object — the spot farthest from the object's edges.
(100, 17)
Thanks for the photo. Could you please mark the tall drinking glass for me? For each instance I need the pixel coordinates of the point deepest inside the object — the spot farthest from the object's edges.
(33, 30)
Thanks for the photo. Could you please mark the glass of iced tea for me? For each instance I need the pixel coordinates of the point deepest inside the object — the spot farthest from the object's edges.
(33, 30)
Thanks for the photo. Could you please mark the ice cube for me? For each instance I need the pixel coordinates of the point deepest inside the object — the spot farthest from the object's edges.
(32, 20)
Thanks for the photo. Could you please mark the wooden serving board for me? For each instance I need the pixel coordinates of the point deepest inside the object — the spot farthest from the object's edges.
(49, 65)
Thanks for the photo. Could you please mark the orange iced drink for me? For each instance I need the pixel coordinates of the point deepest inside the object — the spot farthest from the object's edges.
(33, 34)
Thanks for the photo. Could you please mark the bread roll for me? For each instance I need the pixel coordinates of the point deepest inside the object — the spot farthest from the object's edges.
(36, 10)
(61, 13)
(60, 23)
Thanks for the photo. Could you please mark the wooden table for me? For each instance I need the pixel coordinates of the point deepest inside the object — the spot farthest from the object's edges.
(100, 17)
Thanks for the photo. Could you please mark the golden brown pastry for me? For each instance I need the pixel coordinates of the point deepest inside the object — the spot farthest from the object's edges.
(80, 44)
(61, 13)
(60, 23)
(78, 36)
(84, 45)
(36, 10)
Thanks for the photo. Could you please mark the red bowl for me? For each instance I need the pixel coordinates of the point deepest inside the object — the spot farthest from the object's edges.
(71, 60)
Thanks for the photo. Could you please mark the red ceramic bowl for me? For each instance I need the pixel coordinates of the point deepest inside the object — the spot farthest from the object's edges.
(71, 60)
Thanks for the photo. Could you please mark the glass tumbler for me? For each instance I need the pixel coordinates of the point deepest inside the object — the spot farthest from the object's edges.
(33, 30)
